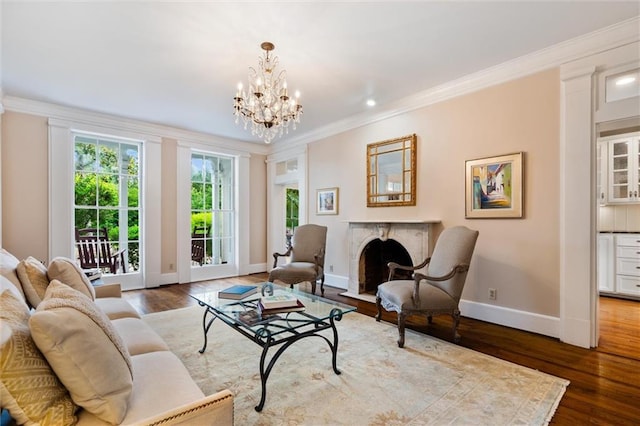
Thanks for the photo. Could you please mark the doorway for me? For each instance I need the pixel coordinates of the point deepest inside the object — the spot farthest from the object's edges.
(286, 197)
(616, 171)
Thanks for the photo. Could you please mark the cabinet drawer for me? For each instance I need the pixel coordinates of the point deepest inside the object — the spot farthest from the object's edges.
(632, 240)
(630, 252)
(628, 267)
(628, 285)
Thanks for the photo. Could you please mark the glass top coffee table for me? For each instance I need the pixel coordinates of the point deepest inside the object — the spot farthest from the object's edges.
(274, 330)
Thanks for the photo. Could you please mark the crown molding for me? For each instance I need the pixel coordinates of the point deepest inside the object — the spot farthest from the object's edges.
(617, 35)
(65, 113)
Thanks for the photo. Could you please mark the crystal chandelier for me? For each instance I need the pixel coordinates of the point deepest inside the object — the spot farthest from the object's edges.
(266, 104)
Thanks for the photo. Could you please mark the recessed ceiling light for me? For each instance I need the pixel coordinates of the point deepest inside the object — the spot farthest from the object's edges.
(622, 81)
(371, 102)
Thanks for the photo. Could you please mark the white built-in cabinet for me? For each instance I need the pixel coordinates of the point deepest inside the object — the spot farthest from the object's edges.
(619, 264)
(606, 263)
(628, 264)
(618, 180)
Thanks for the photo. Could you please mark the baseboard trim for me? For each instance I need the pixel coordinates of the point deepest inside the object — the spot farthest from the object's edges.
(256, 268)
(522, 320)
(337, 281)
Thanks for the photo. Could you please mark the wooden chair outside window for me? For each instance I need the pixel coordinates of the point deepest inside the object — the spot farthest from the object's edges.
(198, 244)
(95, 251)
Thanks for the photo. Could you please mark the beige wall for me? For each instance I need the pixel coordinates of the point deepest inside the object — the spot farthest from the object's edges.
(518, 257)
(24, 168)
(25, 185)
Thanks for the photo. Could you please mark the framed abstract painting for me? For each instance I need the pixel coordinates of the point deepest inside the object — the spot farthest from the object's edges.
(493, 187)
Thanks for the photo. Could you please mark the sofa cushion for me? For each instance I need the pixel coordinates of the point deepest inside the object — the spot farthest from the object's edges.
(116, 307)
(29, 389)
(34, 280)
(8, 265)
(67, 271)
(160, 382)
(138, 336)
(84, 350)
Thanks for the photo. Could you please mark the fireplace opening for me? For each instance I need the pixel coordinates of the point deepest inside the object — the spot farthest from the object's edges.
(373, 269)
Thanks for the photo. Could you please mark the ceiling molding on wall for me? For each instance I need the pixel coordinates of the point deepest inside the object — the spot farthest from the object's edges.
(620, 34)
(54, 111)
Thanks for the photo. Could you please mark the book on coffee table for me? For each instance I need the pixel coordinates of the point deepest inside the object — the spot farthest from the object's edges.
(297, 307)
(254, 317)
(237, 292)
(279, 301)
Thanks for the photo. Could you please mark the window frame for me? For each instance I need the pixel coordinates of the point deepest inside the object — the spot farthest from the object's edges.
(123, 209)
(219, 208)
(61, 239)
(185, 273)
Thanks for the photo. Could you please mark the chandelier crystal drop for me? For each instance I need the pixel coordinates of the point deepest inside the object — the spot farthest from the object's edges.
(266, 104)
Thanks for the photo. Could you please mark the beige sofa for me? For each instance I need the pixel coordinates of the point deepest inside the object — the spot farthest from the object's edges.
(71, 353)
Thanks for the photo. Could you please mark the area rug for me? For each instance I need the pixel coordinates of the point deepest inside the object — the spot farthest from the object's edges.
(429, 382)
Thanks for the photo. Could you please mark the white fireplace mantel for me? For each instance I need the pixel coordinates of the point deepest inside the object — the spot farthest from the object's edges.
(414, 235)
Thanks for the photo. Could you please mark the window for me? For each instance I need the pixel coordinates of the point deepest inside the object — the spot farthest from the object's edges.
(291, 215)
(212, 209)
(107, 192)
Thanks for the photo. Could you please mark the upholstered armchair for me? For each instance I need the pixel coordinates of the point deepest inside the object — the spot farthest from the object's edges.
(436, 292)
(307, 258)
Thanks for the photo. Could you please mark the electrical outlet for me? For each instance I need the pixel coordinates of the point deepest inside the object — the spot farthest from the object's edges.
(493, 294)
(330, 268)
(171, 266)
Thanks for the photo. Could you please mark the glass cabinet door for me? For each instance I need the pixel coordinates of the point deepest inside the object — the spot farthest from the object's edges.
(623, 174)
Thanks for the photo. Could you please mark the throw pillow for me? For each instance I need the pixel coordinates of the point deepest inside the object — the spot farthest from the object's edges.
(8, 265)
(67, 271)
(29, 389)
(33, 277)
(84, 350)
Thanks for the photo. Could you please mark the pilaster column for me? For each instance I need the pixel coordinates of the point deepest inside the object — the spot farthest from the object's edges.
(577, 207)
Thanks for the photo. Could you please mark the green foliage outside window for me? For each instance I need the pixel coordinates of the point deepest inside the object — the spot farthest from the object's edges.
(293, 201)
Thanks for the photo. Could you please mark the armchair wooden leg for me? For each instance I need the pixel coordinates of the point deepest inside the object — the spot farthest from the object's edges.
(401, 320)
(322, 285)
(456, 321)
(379, 307)
(313, 286)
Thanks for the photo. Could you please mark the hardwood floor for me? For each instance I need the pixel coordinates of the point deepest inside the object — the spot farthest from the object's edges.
(605, 382)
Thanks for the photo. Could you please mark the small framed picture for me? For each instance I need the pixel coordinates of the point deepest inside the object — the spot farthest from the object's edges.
(493, 187)
(327, 201)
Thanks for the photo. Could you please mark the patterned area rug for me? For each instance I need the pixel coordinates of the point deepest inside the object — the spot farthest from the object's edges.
(429, 382)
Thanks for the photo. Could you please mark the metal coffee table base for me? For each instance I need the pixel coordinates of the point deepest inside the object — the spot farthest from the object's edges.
(266, 339)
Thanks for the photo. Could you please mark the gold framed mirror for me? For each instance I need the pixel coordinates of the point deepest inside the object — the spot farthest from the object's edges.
(391, 172)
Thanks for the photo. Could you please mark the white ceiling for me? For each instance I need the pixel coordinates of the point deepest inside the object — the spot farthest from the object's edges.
(178, 63)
